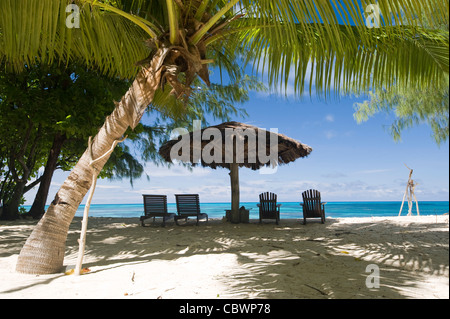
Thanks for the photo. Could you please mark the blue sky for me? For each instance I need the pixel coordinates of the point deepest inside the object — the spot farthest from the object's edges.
(349, 161)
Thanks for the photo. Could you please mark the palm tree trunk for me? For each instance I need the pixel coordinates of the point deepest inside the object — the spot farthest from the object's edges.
(43, 252)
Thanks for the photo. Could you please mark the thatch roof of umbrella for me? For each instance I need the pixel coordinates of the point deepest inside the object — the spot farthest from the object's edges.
(248, 138)
(288, 149)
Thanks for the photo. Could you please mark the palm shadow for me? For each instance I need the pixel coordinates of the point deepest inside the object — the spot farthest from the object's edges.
(281, 261)
(288, 261)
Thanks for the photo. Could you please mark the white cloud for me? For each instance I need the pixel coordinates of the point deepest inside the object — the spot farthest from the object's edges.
(108, 186)
(334, 175)
(207, 193)
(373, 171)
(330, 134)
(155, 171)
(329, 118)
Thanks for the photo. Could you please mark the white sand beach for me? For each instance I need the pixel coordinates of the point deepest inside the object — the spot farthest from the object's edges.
(223, 260)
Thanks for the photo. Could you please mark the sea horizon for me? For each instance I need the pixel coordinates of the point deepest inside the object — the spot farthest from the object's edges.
(289, 210)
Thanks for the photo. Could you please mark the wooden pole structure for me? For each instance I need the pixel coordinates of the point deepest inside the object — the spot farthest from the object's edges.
(410, 186)
(82, 240)
(404, 195)
(409, 198)
(417, 204)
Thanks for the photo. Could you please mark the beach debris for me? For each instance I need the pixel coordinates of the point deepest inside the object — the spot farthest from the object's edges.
(69, 272)
(72, 271)
(347, 253)
(342, 233)
(320, 291)
(279, 247)
(319, 240)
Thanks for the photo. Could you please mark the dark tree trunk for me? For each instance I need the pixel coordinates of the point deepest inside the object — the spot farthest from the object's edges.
(38, 207)
(11, 208)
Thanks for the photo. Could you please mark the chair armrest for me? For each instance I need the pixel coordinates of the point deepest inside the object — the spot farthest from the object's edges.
(279, 205)
(324, 203)
(301, 204)
(258, 205)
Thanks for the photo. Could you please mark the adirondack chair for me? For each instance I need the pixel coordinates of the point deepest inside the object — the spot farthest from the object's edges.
(188, 205)
(155, 206)
(312, 205)
(268, 208)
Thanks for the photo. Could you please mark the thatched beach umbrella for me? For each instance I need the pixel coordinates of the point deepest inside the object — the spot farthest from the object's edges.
(232, 145)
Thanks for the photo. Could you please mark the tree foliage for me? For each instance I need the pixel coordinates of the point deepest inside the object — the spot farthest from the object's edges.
(285, 37)
(42, 104)
(412, 105)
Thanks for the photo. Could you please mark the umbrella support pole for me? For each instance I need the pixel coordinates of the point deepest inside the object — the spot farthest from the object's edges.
(234, 178)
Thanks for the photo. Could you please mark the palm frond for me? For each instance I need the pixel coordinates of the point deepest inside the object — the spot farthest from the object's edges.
(33, 31)
(325, 43)
(173, 21)
(328, 44)
(147, 26)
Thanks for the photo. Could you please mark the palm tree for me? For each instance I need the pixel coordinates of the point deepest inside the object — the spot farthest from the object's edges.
(165, 44)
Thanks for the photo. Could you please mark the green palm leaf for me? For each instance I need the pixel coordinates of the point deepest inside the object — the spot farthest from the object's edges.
(32, 30)
(324, 43)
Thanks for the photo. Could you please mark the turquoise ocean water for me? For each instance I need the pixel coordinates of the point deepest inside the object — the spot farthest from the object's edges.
(288, 209)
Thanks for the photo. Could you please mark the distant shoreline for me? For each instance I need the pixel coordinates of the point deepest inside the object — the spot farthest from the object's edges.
(331, 202)
(289, 210)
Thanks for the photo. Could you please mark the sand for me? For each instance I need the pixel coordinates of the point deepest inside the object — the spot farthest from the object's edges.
(395, 257)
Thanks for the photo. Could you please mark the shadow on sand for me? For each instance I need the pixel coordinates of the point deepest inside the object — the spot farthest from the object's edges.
(290, 260)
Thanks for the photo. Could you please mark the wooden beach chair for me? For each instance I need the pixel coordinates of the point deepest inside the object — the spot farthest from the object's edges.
(156, 206)
(188, 205)
(268, 207)
(312, 205)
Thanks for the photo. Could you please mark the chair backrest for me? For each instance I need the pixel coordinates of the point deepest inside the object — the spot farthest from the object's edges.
(311, 201)
(188, 204)
(155, 205)
(268, 202)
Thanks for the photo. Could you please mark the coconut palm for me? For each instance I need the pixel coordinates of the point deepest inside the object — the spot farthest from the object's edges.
(165, 44)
